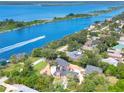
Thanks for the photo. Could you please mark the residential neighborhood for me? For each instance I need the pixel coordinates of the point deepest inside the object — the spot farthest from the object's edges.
(91, 60)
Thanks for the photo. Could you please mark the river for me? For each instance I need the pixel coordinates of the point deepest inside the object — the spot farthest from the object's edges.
(51, 31)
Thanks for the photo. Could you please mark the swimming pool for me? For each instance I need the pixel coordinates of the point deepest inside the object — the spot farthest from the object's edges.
(119, 46)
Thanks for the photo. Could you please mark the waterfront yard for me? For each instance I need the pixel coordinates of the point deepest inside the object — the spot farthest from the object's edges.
(39, 67)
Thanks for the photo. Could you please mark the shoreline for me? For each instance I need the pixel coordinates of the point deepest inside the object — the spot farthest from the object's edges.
(4, 31)
(65, 35)
(68, 17)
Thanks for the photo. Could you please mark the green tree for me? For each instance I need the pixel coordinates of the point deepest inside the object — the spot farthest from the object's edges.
(84, 60)
(102, 47)
(91, 58)
(119, 87)
(111, 70)
(73, 45)
(92, 82)
(120, 70)
(36, 52)
(13, 59)
(44, 83)
(27, 69)
(49, 53)
(1, 73)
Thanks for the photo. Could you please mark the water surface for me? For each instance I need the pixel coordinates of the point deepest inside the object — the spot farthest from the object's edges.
(52, 31)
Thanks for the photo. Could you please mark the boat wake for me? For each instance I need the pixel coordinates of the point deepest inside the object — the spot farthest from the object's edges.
(2, 50)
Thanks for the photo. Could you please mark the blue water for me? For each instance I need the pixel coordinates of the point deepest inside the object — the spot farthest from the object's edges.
(32, 12)
(119, 46)
(52, 31)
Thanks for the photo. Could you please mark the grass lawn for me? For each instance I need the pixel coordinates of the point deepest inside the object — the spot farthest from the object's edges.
(33, 59)
(19, 65)
(12, 67)
(39, 67)
(2, 88)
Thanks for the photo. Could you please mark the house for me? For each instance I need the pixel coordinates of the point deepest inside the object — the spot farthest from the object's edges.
(117, 29)
(114, 54)
(91, 27)
(74, 55)
(91, 44)
(62, 62)
(88, 45)
(111, 61)
(91, 69)
(63, 68)
(109, 20)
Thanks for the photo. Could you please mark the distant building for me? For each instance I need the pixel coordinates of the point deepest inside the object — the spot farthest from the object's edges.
(117, 29)
(109, 19)
(116, 54)
(91, 27)
(74, 55)
(91, 69)
(91, 44)
(111, 61)
(118, 21)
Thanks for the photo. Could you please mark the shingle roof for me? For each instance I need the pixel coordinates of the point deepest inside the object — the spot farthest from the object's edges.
(62, 62)
(90, 69)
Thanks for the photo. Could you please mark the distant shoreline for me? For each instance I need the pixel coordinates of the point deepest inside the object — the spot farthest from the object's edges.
(67, 17)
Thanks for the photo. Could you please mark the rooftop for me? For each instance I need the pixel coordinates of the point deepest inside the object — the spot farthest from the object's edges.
(62, 62)
(74, 55)
(111, 61)
(91, 69)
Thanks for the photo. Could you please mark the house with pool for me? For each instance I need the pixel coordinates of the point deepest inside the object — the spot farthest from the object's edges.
(116, 52)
